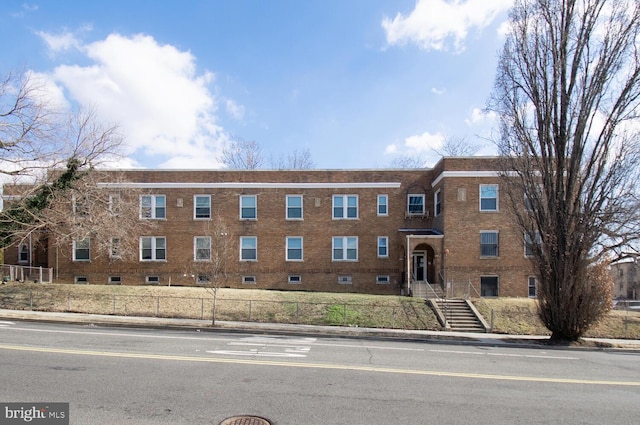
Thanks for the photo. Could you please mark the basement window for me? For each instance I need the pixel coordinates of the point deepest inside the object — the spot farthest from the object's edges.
(295, 279)
(82, 280)
(115, 280)
(382, 279)
(152, 280)
(203, 279)
(250, 280)
(344, 280)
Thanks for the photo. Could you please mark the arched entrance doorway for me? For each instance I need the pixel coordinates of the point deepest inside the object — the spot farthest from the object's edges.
(422, 264)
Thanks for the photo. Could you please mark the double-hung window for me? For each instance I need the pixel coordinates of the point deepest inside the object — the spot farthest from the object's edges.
(248, 248)
(115, 248)
(23, 253)
(345, 206)
(202, 248)
(248, 207)
(153, 206)
(488, 197)
(81, 250)
(437, 203)
(153, 248)
(415, 204)
(530, 243)
(294, 248)
(489, 244)
(383, 246)
(294, 207)
(345, 248)
(202, 207)
(383, 205)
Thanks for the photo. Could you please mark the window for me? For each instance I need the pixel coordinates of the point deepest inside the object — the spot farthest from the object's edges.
(344, 280)
(248, 207)
(415, 204)
(345, 248)
(82, 280)
(115, 203)
(249, 279)
(81, 250)
(203, 279)
(533, 287)
(383, 246)
(489, 244)
(115, 248)
(202, 207)
(153, 248)
(23, 253)
(202, 248)
(382, 279)
(383, 205)
(81, 205)
(489, 286)
(153, 207)
(294, 207)
(115, 280)
(152, 280)
(294, 248)
(345, 206)
(295, 279)
(530, 244)
(437, 203)
(488, 197)
(248, 248)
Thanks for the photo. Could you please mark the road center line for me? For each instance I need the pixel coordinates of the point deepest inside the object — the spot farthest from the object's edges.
(325, 366)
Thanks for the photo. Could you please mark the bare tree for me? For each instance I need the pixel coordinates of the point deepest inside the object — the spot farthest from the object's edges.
(408, 161)
(457, 146)
(240, 154)
(295, 160)
(567, 93)
(212, 259)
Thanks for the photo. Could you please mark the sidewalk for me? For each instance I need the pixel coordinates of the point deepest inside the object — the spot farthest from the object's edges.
(293, 329)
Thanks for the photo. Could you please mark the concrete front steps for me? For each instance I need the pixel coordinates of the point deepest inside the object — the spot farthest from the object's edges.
(458, 315)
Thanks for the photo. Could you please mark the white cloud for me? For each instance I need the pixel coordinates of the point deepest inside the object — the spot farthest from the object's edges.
(163, 106)
(438, 91)
(419, 143)
(480, 117)
(441, 24)
(234, 109)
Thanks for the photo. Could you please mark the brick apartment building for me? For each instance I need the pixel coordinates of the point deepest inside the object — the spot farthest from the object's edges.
(368, 231)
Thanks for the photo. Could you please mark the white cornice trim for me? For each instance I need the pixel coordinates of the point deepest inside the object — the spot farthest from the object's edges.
(251, 185)
(476, 174)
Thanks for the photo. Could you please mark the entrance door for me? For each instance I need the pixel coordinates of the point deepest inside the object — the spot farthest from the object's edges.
(419, 266)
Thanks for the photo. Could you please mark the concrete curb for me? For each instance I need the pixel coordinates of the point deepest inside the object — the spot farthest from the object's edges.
(483, 339)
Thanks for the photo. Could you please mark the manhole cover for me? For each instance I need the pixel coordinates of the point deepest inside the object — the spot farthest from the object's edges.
(245, 420)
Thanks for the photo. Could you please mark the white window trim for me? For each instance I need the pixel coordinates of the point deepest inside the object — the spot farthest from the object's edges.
(301, 208)
(345, 207)
(386, 246)
(243, 238)
(437, 203)
(27, 251)
(249, 280)
(154, 207)
(535, 282)
(154, 241)
(424, 204)
(195, 207)
(345, 249)
(255, 197)
(111, 248)
(288, 238)
(497, 198)
(195, 248)
(294, 279)
(383, 279)
(527, 242)
(386, 205)
(75, 248)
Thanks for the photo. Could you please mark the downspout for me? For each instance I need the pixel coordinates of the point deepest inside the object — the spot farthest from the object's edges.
(408, 264)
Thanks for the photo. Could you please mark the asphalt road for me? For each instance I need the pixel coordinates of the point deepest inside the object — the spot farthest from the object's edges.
(151, 376)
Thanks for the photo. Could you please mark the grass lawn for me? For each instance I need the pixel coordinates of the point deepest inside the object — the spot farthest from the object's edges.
(516, 316)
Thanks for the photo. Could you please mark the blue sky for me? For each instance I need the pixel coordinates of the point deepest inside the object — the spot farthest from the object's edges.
(356, 82)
